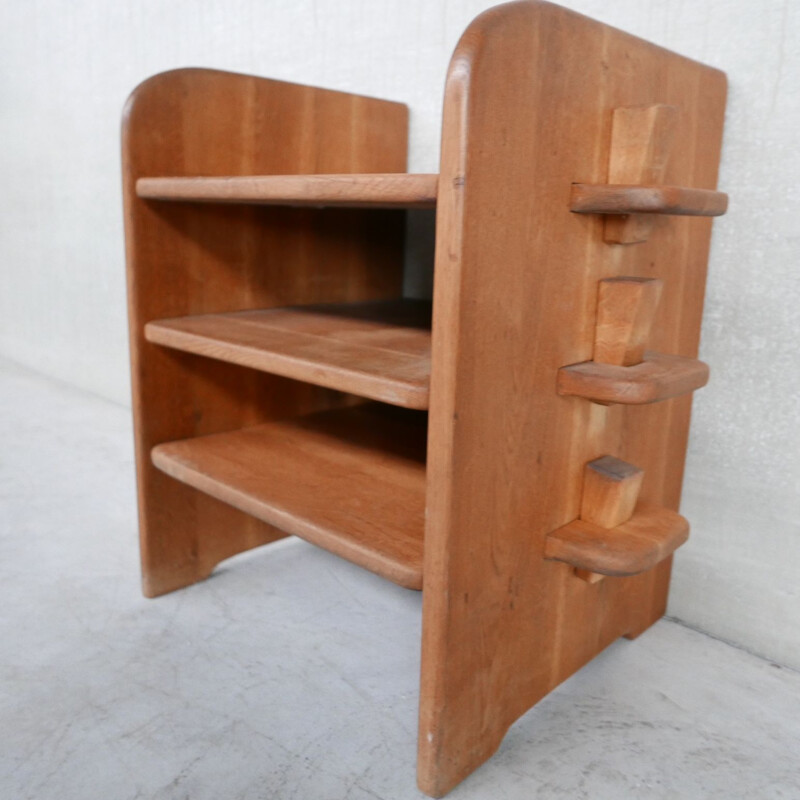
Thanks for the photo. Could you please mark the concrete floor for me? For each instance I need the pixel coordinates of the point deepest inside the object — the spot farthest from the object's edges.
(293, 674)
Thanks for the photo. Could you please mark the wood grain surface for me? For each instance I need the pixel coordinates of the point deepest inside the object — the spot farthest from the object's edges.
(529, 101)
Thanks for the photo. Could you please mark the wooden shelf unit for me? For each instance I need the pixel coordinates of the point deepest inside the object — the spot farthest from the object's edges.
(531, 477)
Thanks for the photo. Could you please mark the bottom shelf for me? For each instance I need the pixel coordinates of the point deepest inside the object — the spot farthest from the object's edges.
(350, 480)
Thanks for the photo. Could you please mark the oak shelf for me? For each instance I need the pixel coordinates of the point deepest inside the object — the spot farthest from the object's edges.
(387, 190)
(266, 242)
(351, 481)
(379, 350)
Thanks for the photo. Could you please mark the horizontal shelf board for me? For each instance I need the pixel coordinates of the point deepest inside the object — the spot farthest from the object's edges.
(588, 198)
(351, 481)
(378, 349)
(387, 190)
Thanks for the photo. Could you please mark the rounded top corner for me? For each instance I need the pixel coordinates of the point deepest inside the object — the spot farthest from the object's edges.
(491, 24)
(154, 82)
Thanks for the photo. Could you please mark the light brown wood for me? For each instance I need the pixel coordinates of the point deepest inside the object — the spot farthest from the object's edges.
(671, 200)
(659, 377)
(588, 576)
(394, 190)
(526, 139)
(610, 490)
(625, 311)
(188, 259)
(529, 96)
(645, 540)
(379, 350)
(351, 481)
(641, 143)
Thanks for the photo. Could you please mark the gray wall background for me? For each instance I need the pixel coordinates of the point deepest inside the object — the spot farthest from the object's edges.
(67, 67)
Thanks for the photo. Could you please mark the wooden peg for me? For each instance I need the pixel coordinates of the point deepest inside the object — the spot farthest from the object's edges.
(610, 490)
(641, 141)
(625, 311)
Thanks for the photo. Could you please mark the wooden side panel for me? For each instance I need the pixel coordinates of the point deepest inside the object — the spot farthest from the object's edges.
(186, 258)
(528, 106)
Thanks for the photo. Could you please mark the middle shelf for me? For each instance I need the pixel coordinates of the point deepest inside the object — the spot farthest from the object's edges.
(349, 480)
(380, 350)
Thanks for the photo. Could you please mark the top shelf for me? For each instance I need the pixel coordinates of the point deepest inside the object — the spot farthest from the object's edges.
(387, 190)
(404, 190)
